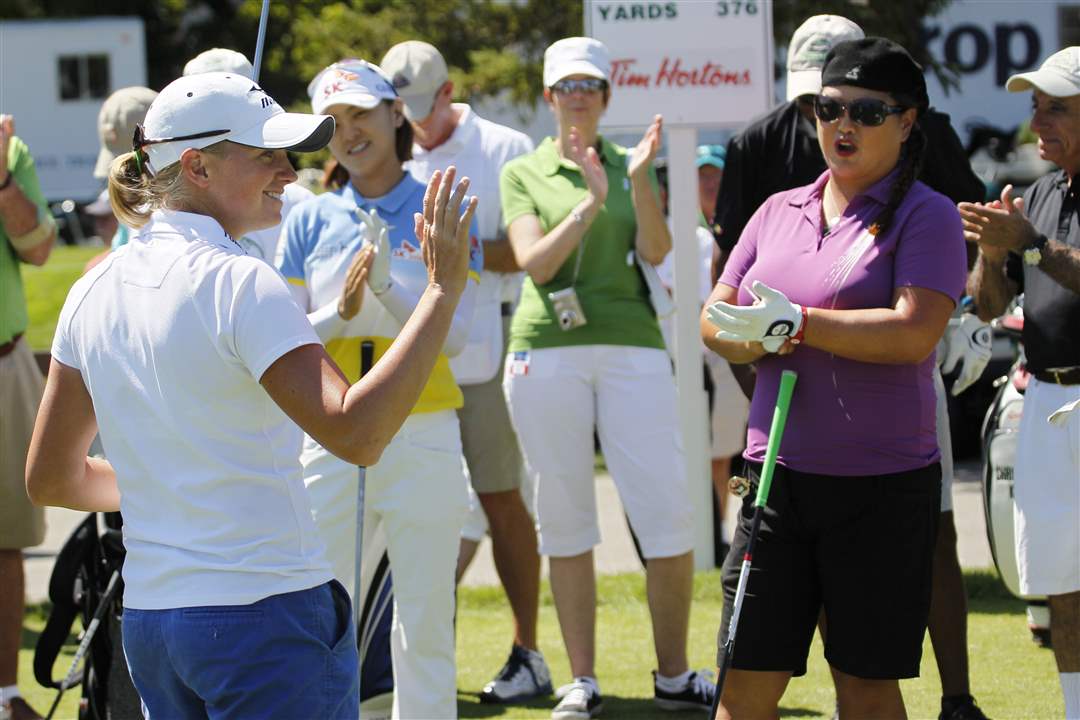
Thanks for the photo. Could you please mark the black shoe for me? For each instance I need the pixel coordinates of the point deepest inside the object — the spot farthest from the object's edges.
(961, 708)
(1041, 637)
(524, 676)
(698, 694)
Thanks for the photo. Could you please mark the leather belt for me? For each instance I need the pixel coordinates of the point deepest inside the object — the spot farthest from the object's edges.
(6, 348)
(1060, 376)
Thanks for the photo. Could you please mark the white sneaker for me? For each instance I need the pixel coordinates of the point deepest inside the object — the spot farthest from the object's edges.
(580, 700)
(524, 676)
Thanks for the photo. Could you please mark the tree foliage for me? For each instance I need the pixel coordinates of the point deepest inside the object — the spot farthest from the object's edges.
(491, 46)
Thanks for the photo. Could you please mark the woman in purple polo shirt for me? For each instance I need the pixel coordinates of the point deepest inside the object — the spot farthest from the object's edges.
(850, 282)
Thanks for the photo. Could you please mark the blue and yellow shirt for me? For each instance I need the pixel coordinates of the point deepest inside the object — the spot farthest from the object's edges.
(321, 237)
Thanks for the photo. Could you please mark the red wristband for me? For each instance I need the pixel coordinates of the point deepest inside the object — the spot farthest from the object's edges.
(798, 337)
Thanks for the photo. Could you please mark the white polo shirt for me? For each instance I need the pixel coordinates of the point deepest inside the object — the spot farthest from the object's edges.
(171, 334)
(479, 148)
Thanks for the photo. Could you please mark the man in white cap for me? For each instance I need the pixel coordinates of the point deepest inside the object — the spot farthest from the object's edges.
(259, 243)
(220, 60)
(448, 133)
(779, 151)
(1032, 245)
(119, 115)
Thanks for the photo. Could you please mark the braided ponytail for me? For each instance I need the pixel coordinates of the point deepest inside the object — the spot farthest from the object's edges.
(911, 159)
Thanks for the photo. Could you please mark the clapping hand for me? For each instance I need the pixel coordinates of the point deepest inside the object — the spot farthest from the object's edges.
(645, 151)
(7, 131)
(377, 238)
(443, 231)
(352, 293)
(999, 226)
(772, 320)
(591, 167)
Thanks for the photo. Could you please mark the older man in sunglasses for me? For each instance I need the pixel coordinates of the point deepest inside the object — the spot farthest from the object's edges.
(1032, 245)
(780, 151)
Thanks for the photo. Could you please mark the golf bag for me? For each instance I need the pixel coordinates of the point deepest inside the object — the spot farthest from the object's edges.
(86, 564)
(1000, 432)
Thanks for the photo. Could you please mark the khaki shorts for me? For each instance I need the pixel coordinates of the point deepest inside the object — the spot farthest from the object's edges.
(487, 436)
(21, 524)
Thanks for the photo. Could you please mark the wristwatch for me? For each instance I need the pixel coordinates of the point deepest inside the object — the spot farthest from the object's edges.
(1033, 252)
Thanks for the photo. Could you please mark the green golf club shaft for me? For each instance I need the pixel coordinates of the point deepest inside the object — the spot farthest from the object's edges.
(776, 435)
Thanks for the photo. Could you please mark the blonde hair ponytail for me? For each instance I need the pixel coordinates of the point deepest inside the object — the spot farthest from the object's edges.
(129, 192)
(135, 194)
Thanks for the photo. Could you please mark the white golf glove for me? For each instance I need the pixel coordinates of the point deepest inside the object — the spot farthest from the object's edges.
(377, 233)
(771, 320)
(968, 342)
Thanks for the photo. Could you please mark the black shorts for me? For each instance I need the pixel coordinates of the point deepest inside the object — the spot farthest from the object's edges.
(861, 547)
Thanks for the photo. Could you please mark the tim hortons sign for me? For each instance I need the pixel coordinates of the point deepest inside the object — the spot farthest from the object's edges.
(698, 62)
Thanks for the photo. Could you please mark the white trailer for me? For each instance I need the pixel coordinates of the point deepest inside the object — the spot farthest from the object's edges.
(54, 77)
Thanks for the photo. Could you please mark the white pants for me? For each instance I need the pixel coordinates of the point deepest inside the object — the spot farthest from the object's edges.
(1047, 493)
(417, 496)
(944, 441)
(556, 397)
(730, 409)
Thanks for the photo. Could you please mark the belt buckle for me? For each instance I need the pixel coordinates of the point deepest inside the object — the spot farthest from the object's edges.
(1057, 375)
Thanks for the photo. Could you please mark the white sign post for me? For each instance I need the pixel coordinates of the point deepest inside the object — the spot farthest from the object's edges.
(699, 63)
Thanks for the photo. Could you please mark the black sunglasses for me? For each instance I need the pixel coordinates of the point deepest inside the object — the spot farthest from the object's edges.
(868, 112)
(585, 85)
(139, 140)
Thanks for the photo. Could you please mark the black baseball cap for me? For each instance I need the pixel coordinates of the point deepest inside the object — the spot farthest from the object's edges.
(876, 63)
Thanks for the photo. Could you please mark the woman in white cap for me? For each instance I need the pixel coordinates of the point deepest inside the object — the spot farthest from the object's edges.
(195, 363)
(586, 353)
(261, 243)
(352, 263)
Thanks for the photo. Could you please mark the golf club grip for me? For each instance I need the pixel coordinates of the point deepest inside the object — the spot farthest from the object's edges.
(367, 356)
(776, 434)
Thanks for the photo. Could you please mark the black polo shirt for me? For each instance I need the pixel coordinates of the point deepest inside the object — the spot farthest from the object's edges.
(1051, 311)
(780, 151)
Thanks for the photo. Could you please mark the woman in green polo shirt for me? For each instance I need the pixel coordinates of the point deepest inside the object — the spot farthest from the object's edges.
(586, 352)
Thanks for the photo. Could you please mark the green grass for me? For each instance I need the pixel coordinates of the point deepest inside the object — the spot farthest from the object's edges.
(46, 288)
(1011, 678)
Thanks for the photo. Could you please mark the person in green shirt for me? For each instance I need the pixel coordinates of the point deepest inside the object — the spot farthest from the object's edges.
(586, 353)
(27, 233)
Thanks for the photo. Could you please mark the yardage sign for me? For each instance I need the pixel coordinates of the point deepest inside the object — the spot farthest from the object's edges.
(697, 62)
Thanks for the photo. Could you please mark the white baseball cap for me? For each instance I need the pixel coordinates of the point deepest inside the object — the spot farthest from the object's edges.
(808, 48)
(119, 115)
(1059, 76)
(416, 70)
(349, 82)
(220, 60)
(576, 56)
(200, 110)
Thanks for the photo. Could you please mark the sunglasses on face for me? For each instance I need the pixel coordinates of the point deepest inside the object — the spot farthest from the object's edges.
(586, 85)
(868, 112)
